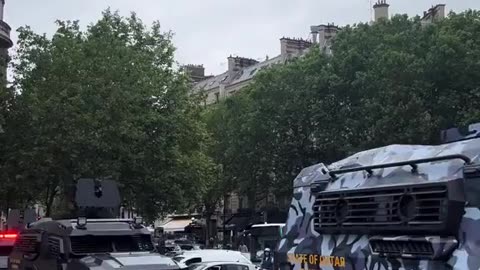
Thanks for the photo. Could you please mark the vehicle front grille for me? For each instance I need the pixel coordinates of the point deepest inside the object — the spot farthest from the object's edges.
(413, 208)
(415, 248)
(27, 243)
(54, 247)
(82, 245)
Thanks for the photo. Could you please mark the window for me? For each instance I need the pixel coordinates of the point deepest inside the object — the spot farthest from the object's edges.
(196, 266)
(216, 267)
(235, 267)
(217, 97)
(192, 261)
(81, 245)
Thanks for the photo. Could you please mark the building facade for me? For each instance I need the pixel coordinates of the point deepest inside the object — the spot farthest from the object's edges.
(5, 43)
(241, 72)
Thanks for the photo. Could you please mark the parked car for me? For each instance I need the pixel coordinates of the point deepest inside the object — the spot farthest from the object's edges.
(211, 255)
(221, 266)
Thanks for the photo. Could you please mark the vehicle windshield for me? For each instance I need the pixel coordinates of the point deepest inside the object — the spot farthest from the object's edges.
(196, 266)
(82, 245)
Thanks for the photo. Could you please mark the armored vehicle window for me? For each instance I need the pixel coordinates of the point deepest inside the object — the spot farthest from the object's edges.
(83, 245)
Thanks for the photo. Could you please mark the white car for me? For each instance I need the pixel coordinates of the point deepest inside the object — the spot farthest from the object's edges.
(221, 266)
(211, 255)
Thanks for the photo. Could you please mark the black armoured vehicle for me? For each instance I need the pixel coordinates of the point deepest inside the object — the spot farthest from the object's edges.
(95, 239)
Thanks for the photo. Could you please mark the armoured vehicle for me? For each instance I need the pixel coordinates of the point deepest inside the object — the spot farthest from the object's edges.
(95, 239)
(394, 207)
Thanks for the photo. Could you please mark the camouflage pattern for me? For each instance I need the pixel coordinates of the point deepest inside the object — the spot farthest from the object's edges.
(301, 238)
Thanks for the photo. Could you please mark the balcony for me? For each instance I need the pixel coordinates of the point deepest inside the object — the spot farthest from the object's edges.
(5, 41)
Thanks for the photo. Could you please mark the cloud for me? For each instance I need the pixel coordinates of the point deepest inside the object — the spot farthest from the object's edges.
(208, 31)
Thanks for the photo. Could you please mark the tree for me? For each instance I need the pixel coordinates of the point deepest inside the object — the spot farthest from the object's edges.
(107, 102)
(395, 81)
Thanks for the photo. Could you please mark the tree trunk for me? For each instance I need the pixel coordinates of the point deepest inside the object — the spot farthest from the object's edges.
(51, 193)
(67, 208)
(208, 218)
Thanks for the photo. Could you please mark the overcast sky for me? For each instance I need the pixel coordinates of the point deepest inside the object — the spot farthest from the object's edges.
(208, 31)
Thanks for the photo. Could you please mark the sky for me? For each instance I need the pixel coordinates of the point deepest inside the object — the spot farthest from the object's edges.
(208, 31)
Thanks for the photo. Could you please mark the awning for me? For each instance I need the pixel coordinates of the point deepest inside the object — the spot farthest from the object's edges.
(176, 225)
(237, 223)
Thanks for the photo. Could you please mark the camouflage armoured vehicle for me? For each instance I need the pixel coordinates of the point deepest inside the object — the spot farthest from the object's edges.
(394, 207)
(95, 239)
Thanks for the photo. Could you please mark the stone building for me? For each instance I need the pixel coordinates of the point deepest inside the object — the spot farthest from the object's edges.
(434, 14)
(242, 70)
(380, 10)
(5, 43)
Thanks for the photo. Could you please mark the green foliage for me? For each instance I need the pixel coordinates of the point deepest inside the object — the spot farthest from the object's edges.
(107, 102)
(392, 82)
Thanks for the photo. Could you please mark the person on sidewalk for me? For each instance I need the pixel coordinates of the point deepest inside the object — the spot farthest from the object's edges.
(243, 248)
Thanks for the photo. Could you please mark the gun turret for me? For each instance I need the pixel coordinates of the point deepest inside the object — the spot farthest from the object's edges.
(97, 199)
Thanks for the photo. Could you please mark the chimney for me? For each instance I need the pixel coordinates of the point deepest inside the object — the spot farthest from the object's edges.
(433, 14)
(314, 32)
(196, 72)
(324, 34)
(2, 7)
(289, 46)
(236, 63)
(381, 10)
(439, 12)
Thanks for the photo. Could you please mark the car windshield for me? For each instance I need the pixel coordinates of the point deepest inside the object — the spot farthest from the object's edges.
(196, 266)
